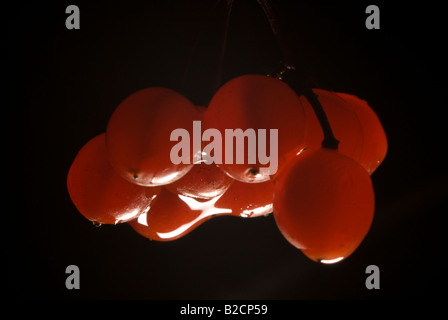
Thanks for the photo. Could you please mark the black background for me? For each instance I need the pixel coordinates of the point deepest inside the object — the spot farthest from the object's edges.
(64, 84)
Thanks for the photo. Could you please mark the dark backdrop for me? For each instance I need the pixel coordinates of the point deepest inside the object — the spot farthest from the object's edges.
(64, 84)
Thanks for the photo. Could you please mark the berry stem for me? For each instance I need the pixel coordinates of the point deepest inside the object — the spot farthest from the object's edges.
(278, 31)
(298, 81)
(329, 141)
(223, 41)
(199, 29)
(215, 18)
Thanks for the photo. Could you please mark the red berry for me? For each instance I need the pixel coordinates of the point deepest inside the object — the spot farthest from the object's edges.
(344, 123)
(324, 204)
(138, 136)
(203, 181)
(172, 216)
(248, 199)
(99, 193)
(253, 103)
(375, 140)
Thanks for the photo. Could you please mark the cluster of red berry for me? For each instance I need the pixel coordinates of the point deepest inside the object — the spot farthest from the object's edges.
(322, 199)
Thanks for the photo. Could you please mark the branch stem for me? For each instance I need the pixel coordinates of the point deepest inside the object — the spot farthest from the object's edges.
(298, 81)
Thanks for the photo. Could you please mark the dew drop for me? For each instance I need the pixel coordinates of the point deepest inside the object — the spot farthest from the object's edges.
(253, 172)
(330, 261)
(134, 173)
(97, 224)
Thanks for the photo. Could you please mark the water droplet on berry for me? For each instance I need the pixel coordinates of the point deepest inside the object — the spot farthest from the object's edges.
(97, 224)
(331, 261)
(134, 173)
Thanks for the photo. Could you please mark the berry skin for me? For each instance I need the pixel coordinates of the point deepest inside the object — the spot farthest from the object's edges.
(173, 216)
(324, 204)
(203, 181)
(375, 141)
(353, 122)
(99, 193)
(344, 123)
(257, 102)
(248, 200)
(138, 135)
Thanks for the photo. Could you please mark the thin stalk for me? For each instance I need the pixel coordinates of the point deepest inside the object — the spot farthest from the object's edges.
(199, 32)
(299, 82)
(217, 16)
(223, 41)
